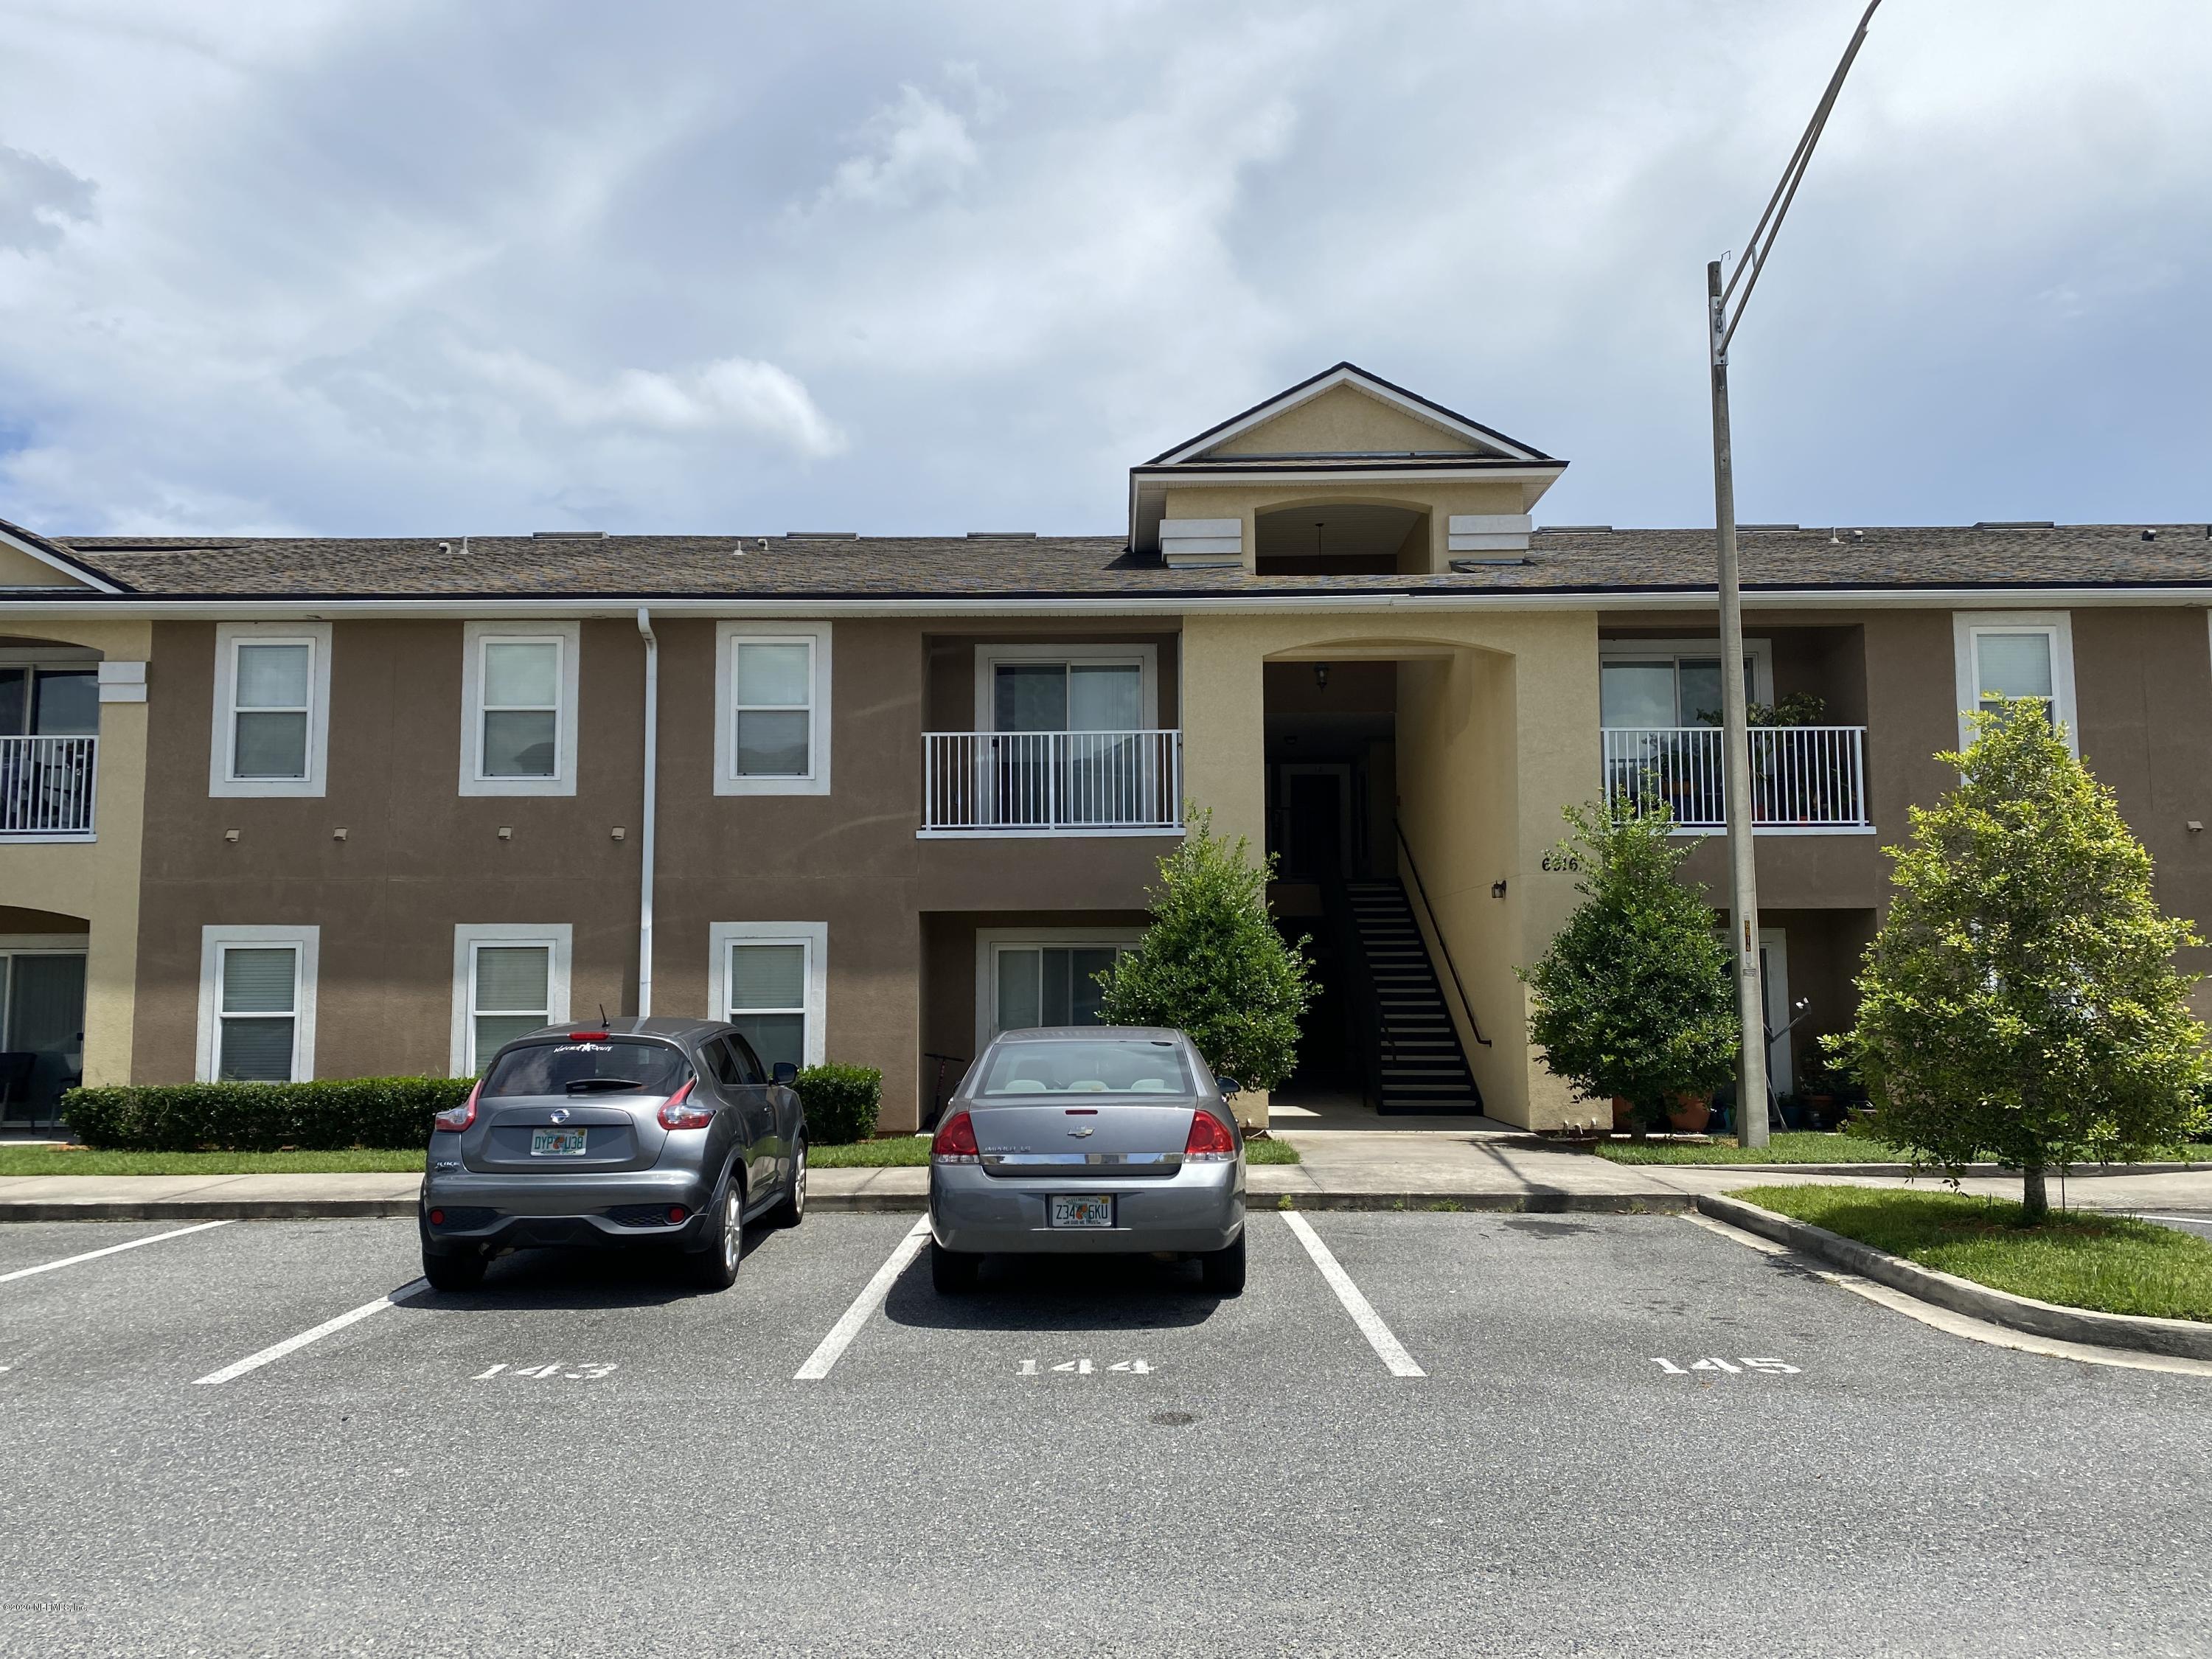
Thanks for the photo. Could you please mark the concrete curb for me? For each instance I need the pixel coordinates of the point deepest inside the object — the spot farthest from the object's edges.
(1929, 1171)
(2183, 1339)
(882, 1203)
(202, 1209)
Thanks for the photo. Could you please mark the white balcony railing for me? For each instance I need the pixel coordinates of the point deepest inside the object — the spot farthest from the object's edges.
(1806, 777)
(1040, 782)
(46, 786)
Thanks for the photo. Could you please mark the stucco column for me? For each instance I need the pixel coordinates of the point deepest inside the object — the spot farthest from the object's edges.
(1223, 748)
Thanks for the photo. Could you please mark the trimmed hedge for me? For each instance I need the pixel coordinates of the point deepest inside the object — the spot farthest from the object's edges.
(841, 1102)
(379, 1112)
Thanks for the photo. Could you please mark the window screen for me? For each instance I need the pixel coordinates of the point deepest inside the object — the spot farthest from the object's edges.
(773, 695)
(269, 710)
(510, 996)
(521, 695)
(258, 1016)
(768, 998)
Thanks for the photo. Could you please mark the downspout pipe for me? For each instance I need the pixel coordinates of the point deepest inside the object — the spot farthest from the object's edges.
(646, 822)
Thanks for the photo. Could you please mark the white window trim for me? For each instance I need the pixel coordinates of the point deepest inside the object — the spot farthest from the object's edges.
(1967, 626)
(228, 636)
(474, 637)
(991, 940)
(988, 656)
(307, 941)
(467, 936)
(727, 779)
(814, 935)
(1760, 651)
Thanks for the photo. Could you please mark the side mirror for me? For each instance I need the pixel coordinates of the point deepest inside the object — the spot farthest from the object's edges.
(1230, 1088)
(783, 1072)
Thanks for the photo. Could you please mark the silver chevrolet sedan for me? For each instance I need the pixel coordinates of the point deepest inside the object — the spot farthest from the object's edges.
(1088, 1139)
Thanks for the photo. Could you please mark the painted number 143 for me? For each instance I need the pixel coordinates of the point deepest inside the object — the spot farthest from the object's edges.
(1771, 1367)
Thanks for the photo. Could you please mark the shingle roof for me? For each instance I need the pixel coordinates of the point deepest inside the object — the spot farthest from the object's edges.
(1101, 567)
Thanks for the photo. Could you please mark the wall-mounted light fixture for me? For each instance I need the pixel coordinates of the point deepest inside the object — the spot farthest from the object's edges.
(1321, 676)
(1498, 889)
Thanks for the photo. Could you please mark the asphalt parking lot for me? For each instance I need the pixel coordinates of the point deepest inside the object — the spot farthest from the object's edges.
(584, 1457)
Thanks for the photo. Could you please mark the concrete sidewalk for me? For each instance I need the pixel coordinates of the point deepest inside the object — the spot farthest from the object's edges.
(1343, 1169)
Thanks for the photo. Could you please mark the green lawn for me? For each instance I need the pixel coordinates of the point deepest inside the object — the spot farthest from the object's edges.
(1806, 1146)
(2077, 1258)
(891, 1150)
(78, 1160)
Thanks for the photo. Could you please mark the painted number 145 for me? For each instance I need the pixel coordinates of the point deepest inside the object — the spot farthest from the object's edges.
(1771, 1367)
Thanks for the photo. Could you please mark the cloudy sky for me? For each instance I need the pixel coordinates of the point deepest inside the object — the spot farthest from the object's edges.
(487, 266)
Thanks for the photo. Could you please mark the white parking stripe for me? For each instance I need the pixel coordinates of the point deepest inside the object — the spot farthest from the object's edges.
(869, 1298)
(1379, 1335)
(293, 1344)
(93, 1256)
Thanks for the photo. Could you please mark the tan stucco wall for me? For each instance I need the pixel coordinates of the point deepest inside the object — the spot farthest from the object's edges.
(1342, 420)
(19, 569)
(1497, 729)
(97, 881)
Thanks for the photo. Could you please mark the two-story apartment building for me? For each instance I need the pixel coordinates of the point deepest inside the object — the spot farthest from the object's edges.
(287, 807)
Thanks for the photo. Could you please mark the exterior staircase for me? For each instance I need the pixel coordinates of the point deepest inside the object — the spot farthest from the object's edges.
(1420, 1065)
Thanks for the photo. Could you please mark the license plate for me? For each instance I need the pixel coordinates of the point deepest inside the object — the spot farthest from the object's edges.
(1082, 1212)
(557, 1143)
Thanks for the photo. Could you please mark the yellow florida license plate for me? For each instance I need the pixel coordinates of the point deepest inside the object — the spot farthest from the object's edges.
(1082, 1212)
(557, 1143)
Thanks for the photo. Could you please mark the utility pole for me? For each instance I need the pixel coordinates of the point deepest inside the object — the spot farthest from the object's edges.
(1724, 311)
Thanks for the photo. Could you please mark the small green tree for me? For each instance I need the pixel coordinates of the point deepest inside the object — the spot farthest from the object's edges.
(2020, 998)
(1213, 964)
(1634, 999)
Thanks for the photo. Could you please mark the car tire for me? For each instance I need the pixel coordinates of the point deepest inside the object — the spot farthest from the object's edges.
(792, 1210)
(953, 1272)
(1222, 1271)
(715, 1268)
(454, 1270)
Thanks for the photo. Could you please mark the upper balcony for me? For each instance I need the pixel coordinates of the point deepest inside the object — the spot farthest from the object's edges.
(1052, 783)
(1806, 779)
(46, 787)
(1660, 697)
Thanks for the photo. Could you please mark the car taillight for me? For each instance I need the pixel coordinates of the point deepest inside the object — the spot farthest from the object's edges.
(955, 1142)
(454, 1119)
(1209, 1141)
(675, 1114)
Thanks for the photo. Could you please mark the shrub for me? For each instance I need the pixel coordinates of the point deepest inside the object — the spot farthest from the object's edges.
(841, 1102)
(1212, 965)
(381, 1112)
(1633, 997)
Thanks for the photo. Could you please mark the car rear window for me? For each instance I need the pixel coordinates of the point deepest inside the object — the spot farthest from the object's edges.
(606, 1066)
(1136, 1066)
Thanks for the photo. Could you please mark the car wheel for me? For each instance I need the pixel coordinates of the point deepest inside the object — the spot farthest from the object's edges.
(715, 1268)
(952, 1272)
(454, 1270)
(1222, 1271)
(792, 1210)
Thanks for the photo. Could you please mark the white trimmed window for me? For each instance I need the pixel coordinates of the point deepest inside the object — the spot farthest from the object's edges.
(509, 978)
(772, 709)
(519, 709)
(1030, 976)
(258, 1003)
(770, 979)
(272, 719)
(2015, 654)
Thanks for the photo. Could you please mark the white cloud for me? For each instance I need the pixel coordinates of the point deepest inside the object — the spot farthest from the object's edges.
(374, 265)
(914, 148)
(731, 394)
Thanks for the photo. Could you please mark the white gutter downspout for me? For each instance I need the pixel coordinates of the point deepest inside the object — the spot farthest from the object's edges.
(646, 823)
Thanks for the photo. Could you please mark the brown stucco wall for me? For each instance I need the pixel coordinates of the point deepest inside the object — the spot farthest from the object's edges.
(419, 858)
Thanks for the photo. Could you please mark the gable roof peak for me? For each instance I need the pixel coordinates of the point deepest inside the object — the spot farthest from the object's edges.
(1487, 441)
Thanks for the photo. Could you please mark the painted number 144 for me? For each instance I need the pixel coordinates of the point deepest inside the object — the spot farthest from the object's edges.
(1771, 1367)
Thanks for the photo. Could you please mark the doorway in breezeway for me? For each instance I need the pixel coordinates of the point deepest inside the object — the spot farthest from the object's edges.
(42, 956)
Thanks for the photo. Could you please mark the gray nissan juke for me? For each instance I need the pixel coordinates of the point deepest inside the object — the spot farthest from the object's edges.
(660, 1134)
